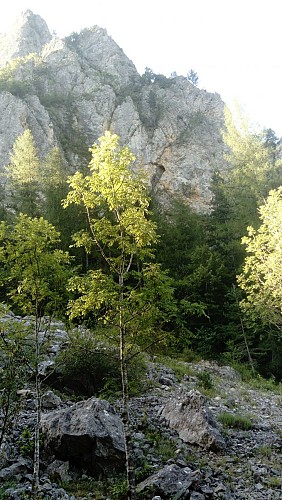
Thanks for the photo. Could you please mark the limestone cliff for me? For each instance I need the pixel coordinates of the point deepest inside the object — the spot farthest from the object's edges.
(29, 34)
(68, 92)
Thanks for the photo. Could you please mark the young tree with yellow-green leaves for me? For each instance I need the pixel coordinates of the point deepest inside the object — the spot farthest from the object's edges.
(261, 282)
(253, 169)
(261, 278)
(34, 273)
(130, 294)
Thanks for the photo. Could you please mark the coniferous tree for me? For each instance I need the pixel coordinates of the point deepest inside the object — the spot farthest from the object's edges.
(192, 77)
(253, 170)
(23, 176)
(55, 188)
(199, 277)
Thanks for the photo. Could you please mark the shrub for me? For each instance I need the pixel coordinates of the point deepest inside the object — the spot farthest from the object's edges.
(89, 366)
(110, 487)
(85, 365)
(205, 379)
(26, 443)
(163, 446)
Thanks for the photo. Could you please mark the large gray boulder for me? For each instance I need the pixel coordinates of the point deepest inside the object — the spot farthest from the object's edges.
(88, 434)
(170, 482)
(188, 414)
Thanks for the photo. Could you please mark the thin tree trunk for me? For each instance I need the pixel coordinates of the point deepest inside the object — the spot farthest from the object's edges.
(247, 346)
(36, 462)
(130, 471)
(244, 332)
(6, 411)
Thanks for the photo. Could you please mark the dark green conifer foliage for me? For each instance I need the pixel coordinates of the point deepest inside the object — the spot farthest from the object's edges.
(54, 190)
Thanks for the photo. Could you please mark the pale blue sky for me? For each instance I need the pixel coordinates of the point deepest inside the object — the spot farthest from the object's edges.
(234, 45)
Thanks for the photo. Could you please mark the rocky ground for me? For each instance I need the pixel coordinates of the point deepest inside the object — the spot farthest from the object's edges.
(250, 464)
(200, 432)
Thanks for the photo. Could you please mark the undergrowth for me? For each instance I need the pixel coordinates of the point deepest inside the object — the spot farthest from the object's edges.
(114, 488)
(235, 421)
(179, 367)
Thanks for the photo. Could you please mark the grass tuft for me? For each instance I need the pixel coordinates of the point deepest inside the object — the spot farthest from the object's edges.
(235, 421)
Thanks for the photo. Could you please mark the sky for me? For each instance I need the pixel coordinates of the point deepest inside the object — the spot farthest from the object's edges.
(235, 46)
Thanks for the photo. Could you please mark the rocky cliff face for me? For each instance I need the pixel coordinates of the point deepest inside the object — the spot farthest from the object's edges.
(29, 34)
(68, 92)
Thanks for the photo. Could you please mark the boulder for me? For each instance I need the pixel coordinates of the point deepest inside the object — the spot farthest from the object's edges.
(187, 413)
(170, 482)
(50, 401)
(88, 434)
(16, 469)
(58, 471)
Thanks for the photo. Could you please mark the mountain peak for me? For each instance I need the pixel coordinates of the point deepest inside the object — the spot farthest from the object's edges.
(28, 34)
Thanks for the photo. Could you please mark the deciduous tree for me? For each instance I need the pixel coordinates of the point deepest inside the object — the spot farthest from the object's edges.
(35, 274)
(14, 353)
(130, 293)
(261, 278)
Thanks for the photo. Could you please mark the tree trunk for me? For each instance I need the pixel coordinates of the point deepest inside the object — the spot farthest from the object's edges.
(244, 331)
(130, 471)
(5, 422)
(36, 461)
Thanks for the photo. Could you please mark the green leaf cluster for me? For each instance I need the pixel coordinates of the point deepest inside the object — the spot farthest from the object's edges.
(131, 290)
(34, 271)
(261, 277)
